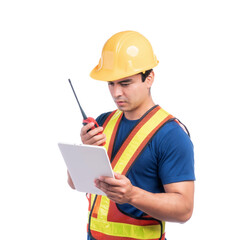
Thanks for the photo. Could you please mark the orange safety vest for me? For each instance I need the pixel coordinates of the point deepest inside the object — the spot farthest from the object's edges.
(106, 221)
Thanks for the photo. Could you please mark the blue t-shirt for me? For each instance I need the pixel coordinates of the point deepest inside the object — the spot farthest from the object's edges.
(167, 158)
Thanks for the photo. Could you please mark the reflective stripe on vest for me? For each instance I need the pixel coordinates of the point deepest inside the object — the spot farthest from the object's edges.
(105, 220)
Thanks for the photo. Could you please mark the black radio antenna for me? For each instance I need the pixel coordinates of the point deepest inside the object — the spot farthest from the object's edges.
(83, 113)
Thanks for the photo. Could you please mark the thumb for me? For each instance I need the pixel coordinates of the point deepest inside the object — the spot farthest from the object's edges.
(117, 175)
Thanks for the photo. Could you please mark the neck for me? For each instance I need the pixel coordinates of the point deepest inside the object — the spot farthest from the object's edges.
(139, 111)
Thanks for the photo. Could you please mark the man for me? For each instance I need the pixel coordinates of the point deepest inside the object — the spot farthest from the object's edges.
(150, 151)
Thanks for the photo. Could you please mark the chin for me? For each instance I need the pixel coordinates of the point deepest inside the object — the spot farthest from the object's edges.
(121, 109)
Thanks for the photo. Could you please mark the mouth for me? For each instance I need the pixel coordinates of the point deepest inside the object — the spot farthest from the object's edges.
(120, 102)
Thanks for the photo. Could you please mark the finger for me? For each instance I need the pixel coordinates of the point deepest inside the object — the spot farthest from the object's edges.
(108, 189)
(94, 131)
(101, 141)
(114, 197)
(95, 140)
(86, 130)
(92, 136)
(109, 180)
(87, 127)
(113, 181)
(118, 175)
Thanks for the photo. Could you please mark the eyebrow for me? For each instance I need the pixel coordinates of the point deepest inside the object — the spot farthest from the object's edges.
(126, 81)
(123, 81)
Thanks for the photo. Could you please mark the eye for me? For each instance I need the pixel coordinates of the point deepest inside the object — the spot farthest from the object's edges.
(125, 84)
(110, 83)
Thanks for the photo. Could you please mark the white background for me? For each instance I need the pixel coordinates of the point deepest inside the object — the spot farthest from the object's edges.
(43, 43)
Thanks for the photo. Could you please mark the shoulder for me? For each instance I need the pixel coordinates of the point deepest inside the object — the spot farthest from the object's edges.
(174, 151)
(174, 133)
(171, 134)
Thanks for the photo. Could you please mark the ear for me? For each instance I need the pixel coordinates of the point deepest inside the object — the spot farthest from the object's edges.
(150, 79)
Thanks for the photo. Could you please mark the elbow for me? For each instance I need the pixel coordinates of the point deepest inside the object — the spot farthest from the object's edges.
(70, 182)
(186, 216)
(187, 212)
(71, 185)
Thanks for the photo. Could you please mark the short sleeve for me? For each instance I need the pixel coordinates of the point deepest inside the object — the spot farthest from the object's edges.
(101, 119)
(176, 158)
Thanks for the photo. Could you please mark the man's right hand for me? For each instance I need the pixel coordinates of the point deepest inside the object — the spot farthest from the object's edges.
(92, 137)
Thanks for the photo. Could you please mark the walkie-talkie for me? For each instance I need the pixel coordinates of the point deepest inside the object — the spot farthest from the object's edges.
(86, 119)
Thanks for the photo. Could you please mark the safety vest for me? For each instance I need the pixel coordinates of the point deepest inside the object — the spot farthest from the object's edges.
(106, 221)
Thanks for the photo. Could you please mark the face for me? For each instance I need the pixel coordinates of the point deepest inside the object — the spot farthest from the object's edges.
(130, 94)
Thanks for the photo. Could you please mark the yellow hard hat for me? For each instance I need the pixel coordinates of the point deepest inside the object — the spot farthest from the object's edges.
(124, 54)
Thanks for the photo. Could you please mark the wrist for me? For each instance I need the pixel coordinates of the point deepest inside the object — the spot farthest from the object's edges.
(134, 195)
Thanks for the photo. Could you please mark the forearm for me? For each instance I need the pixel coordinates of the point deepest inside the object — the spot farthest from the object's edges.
(170, 207)
(176, 205)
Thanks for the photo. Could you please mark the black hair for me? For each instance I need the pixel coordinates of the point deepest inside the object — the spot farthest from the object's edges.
(145, 75)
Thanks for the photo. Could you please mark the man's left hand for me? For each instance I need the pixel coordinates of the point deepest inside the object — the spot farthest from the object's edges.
(118, 189)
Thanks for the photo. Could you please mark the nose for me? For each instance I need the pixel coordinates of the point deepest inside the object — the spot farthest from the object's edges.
(116, 91)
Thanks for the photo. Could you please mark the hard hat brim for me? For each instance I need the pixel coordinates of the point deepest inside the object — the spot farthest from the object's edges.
(109, 76)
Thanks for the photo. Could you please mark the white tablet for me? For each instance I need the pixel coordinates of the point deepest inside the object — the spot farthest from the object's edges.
(85, 163)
